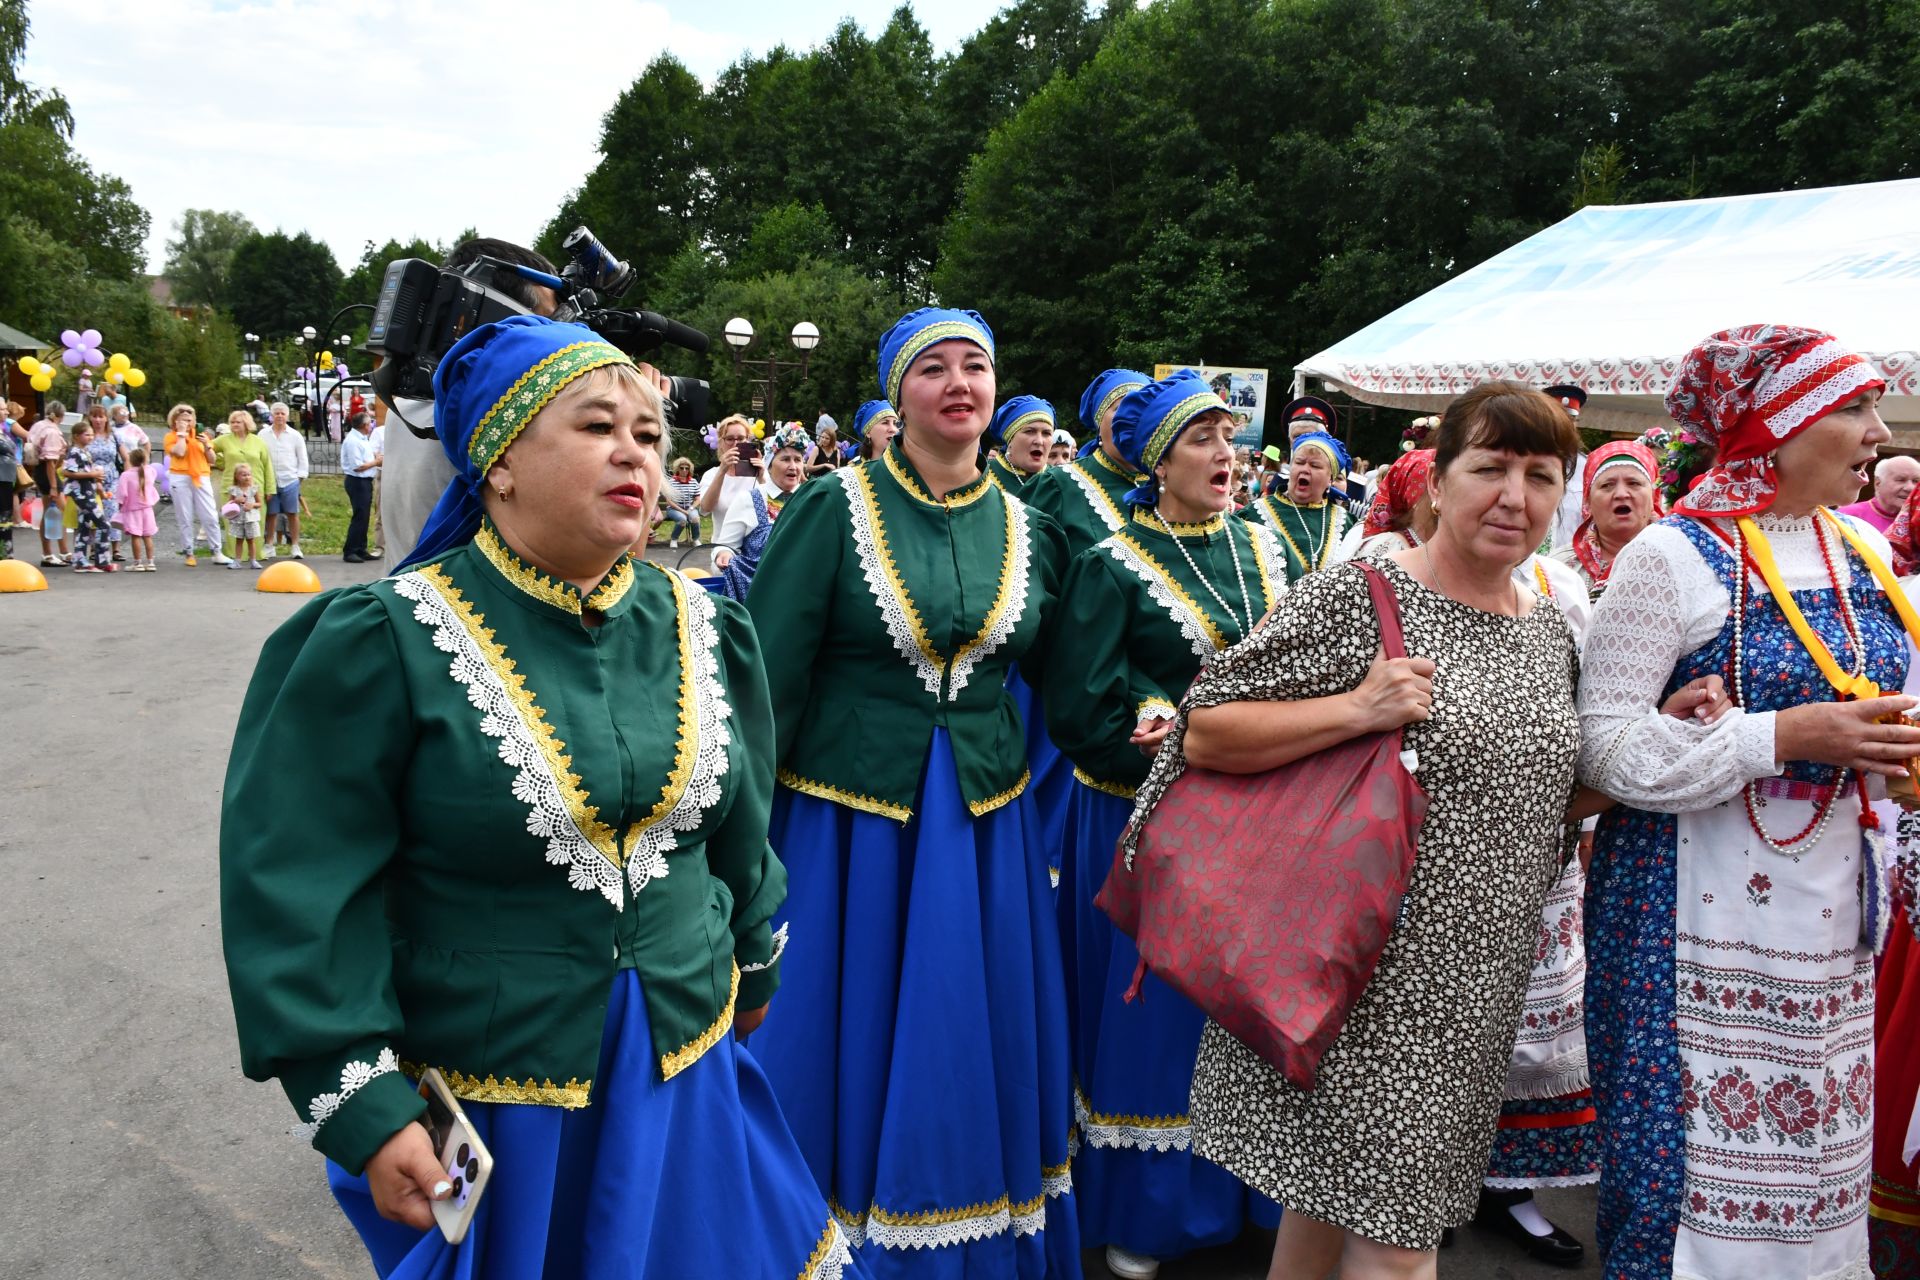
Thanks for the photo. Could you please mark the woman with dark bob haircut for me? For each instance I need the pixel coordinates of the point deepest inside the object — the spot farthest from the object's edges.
(1391, 1145)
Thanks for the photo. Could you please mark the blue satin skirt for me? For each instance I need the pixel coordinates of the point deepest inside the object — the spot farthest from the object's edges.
(919, 1042)
(694, 1176)
(1052, 786)
(1137, 1183)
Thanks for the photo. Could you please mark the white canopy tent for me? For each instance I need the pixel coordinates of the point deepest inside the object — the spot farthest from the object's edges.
(1611, 298)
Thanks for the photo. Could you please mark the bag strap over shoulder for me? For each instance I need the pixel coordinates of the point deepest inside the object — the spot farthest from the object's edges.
(1386, 606)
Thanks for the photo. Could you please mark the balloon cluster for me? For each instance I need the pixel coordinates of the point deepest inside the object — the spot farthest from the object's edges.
(77, 349)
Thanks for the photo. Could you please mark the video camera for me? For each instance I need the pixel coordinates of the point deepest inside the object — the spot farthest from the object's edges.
(423, 309)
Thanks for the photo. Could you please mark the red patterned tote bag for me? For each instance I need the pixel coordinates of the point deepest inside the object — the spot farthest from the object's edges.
(1266, 899)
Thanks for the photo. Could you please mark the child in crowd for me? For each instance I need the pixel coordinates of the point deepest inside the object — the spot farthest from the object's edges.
(85, 482)
(244, 496)
(138, 493)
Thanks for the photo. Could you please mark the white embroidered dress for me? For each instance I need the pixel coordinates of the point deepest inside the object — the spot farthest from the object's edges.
(1772, 989)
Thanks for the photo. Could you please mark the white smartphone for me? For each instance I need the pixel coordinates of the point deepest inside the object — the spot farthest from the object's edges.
(468, 1163)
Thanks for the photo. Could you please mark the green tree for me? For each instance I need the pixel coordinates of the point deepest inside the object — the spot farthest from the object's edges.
(281, 283)
(20, 102)
(783, 237)
(200, 254)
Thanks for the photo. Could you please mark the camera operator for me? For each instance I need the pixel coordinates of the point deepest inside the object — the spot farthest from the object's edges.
(416, 471)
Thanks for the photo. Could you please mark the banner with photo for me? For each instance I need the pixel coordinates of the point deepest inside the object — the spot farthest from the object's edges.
(1244, 390)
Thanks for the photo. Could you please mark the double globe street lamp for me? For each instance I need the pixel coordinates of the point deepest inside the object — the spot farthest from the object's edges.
(739, 334)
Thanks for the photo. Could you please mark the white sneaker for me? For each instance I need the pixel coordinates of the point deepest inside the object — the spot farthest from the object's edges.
(256, 565)
(297, 553)
(1131, 1266)
(222, 558)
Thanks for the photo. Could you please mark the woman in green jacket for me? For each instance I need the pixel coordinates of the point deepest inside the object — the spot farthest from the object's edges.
(525, 844)
(920, 1046)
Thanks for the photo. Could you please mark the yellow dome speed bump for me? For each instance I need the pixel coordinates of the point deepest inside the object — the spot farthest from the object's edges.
(18, 575)
(288, 576)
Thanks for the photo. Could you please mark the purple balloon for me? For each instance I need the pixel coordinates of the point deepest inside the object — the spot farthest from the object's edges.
(92, 356)
(90, 338)
(68, 338)
(71, 357)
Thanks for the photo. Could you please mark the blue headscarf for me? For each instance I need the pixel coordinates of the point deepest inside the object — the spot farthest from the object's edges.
(1104, 392)
(1149, 420)
(1329, 446)
(863, 416)
(485, 392)
(915, 331)
(1017, 413)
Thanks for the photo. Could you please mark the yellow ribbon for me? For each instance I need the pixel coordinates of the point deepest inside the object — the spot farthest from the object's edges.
(1850, 686)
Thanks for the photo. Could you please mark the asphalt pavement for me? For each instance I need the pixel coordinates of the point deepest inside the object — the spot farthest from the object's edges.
(132, 1145)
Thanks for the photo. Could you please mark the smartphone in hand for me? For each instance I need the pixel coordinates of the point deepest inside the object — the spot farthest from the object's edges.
(468, 1163)
(747, 461)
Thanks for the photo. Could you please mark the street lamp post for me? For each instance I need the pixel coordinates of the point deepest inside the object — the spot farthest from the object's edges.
(739, 335)
(253, 358)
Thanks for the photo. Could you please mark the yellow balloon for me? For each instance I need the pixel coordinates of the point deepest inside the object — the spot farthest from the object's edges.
(135, 378)
(29, 366)
(41, 382)
(119, 363)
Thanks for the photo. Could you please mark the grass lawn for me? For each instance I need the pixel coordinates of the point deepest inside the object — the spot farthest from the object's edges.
(323, 530)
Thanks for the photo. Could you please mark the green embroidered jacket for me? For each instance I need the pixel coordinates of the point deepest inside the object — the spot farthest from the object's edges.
(1008, 476)
(1085, 497)
(453, 812)
(1311, 533)
(1143, 624)
(886, 613)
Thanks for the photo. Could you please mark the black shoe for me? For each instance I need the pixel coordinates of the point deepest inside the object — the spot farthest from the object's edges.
(353, 559)
(1558, 1249)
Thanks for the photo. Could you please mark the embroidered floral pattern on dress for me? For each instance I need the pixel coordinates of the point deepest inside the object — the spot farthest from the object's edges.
(353, 1077)
(483, 668)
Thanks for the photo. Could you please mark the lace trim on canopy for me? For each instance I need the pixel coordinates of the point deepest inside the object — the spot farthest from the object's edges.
(353, 1077)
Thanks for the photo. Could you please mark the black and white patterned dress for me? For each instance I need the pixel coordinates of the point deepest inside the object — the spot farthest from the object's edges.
(1392, 1143)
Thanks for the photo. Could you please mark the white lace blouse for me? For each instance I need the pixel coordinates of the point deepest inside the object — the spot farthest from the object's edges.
(1662, 602)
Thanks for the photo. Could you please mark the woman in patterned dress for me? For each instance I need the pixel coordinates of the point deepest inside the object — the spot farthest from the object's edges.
(1146, 608)
(921, 1046)
(1391, 1145)
(1729, 989)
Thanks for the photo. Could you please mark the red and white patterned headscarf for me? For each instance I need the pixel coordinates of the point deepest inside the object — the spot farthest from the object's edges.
(1746, 392)
(1400, 487)
(1615, 453)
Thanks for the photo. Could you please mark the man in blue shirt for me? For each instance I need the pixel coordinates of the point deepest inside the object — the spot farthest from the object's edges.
(360, 462)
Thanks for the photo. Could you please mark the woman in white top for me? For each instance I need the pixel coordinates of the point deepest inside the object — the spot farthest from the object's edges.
(1730, 984)
(720, 488)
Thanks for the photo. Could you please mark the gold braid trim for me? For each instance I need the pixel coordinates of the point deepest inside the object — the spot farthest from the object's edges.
(572, 1095)
(982, 808)
(933, 1217)
(586, 816)
(561, 595)
(965, 496)
(1099, 455)
(1150, 518)
(1260, 564)
(863, 490)
(672, 1064)
(1173, 587)
(1096, 493)
(1086, 779)
(932, 335)
(1104, 1120)
(852, 800)
(687, 739)
(1002, 591)
(531, 393)
(832, 1246)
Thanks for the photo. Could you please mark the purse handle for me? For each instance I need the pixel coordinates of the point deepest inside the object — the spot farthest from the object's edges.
(1386, 606)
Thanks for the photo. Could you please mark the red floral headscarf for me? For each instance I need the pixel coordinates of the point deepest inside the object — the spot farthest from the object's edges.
(1617, 453)
(1400, 487)
(1747, 391)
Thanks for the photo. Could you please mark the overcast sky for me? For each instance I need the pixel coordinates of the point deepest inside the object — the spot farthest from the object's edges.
(363, 120)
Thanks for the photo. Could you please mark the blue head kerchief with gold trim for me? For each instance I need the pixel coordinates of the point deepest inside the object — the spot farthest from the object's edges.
(485, 392)
(1149, 420)
(915, 331)
(1106, 391)
(1015, 414)
(864, 416)
(1335, 451)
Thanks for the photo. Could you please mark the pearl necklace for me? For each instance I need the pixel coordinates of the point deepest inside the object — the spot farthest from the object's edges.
(1808, 836)
(1239, 575)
